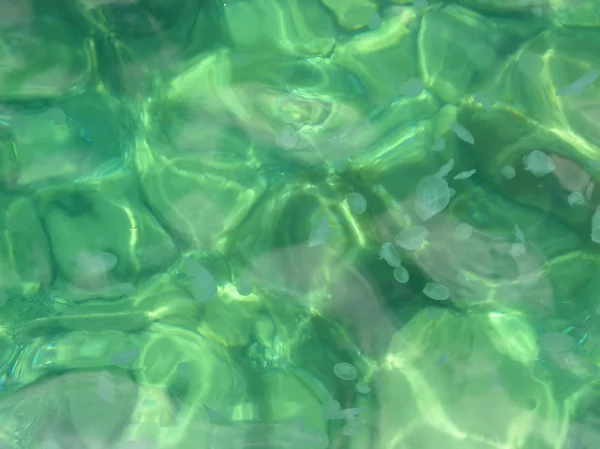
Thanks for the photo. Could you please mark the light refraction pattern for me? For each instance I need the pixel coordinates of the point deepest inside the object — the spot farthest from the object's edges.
(299, 224)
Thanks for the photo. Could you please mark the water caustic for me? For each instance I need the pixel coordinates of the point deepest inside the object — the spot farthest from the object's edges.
(299, 224)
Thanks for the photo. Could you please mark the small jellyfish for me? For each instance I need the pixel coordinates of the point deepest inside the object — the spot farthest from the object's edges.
(517, 250)
(357, 203)
(436, 291)
(439, 144)
(332, 410)
(432, 195)
(485, 99)
(202, 283)
(126, 357)
(105, 387)
(463, 231)
(412, 88)
(320, 233)
(576, 199)
(557, 342)
(389, 253)
(580, 85)
(465, 174)
(445, 169)
(244, 286)
(95, 263)
(538, 163)
(519, 234)
(401, 275)
(354, 427)
(363, 388)
(287, 138)
(345, 371)
(462, 133)
(530, 63)
(374, 21)
(508, 172)
(49, 444)
(412, 238)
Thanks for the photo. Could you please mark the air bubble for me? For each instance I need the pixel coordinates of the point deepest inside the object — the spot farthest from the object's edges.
(345, 371)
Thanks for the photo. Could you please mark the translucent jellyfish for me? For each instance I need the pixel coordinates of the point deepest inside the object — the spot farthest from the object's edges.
(576, 198)
(439, 144)
(320, 233)
(287, 138)
(332, 410)
(351, 413)
(357, 203)
(436, 291)
(465, 174)
(126, 357)
(244, 286)
(374, 21)
(538, 163)
(596, 226)
(445, 169)
(411, 239)
(354, 427)
(530, 63)
(50, 444)
(508, 172)
(462, 133)
(557, 342)
(579, 85)
(363, 388)
(431, 197)
(401, 275)
(517, 250)
(345, 371)
(389, 253)
(412, 88)
(202, 282)
(96, 263)
(463, 231)
(519, 234)
(420, 4)
(485, 99)
(105, 387)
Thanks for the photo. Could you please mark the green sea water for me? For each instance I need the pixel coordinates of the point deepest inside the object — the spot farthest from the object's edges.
(299, 224)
